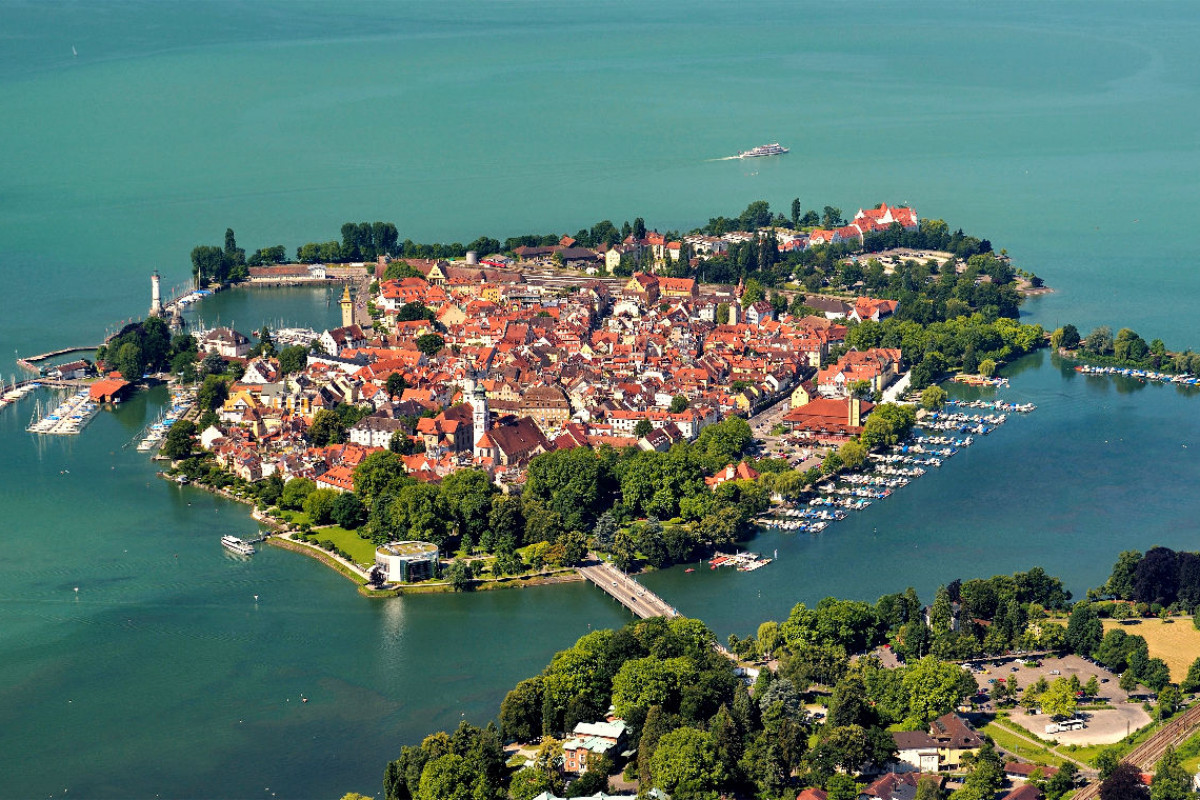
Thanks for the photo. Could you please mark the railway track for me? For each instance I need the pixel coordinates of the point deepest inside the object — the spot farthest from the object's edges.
(1147, 754)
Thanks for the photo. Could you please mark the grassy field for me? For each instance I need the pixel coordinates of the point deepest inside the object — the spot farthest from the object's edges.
(361, 551)
(1177, 643)
(1019, 747)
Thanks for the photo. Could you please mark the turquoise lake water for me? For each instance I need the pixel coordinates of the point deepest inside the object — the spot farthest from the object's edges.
(1064, 132)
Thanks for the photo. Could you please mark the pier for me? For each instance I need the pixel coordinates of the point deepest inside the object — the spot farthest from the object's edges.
(31, 362)
(625, 590)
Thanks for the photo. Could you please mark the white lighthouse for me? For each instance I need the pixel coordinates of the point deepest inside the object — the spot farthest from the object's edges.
(155, 296)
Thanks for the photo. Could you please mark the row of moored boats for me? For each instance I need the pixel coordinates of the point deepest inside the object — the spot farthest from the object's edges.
(1141, 374)
(888, 471)
(67, 418)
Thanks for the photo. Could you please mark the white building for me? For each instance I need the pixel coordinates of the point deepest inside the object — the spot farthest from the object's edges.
(402, 562)
(225, 342)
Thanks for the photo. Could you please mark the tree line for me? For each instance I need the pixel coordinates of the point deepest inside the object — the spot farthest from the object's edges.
(1126, 349)
(147, 346)
(697, 731)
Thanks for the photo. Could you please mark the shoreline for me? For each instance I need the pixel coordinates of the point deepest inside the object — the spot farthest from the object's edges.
(281, 538)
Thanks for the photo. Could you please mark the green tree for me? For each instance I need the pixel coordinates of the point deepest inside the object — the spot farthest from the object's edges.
(129, 361)
(295, 492)
(984, 778)
(213, 393)
(180, 440)
(1171, 781)
(396, 384)
(1169, 702)
(468, 493)
(506, 525)
(348, 511)
(1100, 341)
(934, 688)
(1120, 582)
(319, 505)
(430, 344)
(753, 292)
(419, 512)
(679, 404)
(459, 575)
(1191, 682)
(685, 765)
(327, 428)
(447, 777)
(1084, 629)
(1059, 700)
(574, 483)
(853, 454)
(929, 787)
(293, 359)
(888, 424)
(933, 398)
(841, 787)
(643, 428)
(377, 475)
(1062, 782)
(987, 367)
(521, 711)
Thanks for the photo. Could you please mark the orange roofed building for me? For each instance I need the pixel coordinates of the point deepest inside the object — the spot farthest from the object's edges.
(108, 390)
(742, 472)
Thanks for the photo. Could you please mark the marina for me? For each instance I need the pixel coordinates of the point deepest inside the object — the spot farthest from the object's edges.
(16, 391)
(152, 436)
(1182, 379)
(938, 435)
(67, 419)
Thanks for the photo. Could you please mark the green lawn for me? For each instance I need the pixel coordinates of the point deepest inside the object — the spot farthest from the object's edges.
(360, 550)
(1011, 743)
(294, 517)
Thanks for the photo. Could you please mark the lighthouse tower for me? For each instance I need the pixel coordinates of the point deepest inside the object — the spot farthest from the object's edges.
(347, 308)
(155, 295)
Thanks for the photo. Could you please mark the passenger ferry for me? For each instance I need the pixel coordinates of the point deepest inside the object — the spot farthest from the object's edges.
(236, 545)
(773, 149)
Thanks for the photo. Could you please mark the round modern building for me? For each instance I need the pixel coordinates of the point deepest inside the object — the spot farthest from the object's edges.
(403, 562)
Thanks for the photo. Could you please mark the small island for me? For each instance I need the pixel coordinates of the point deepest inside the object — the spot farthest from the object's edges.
(620, 396)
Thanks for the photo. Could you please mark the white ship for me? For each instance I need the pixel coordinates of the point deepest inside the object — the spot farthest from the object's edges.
(236, 545)
(773, 149)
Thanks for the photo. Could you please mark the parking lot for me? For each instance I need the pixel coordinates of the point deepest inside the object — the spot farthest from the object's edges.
(1104, 726)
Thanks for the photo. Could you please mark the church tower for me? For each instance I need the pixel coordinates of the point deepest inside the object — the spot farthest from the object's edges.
(479, 402)
(347, 308)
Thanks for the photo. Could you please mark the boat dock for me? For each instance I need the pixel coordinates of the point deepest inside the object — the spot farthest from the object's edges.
(31, 363)
(68, 418)
(625, 590)
(742, 562)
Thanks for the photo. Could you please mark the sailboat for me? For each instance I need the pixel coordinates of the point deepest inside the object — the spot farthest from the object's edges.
(74, 52)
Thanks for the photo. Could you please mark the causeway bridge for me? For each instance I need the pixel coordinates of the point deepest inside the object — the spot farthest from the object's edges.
(625, 590)
(631, 594)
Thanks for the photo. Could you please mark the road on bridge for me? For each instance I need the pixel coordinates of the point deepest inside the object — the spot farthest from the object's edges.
(625, 590)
